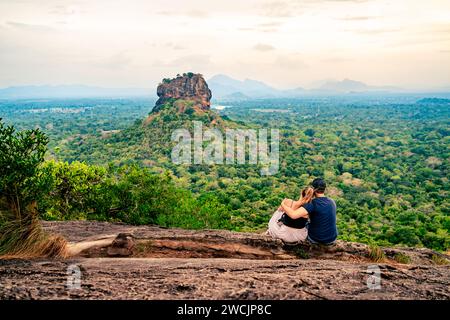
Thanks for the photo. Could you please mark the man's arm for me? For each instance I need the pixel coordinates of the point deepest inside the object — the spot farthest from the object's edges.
(294, 213)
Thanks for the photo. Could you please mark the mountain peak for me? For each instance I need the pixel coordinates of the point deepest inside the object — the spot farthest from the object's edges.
(189, 86)
(225, 86)
(346, 85)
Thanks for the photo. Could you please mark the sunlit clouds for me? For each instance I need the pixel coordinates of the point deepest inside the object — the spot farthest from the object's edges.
(404, 43)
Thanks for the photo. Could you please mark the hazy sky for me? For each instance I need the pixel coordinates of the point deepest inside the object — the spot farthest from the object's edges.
(121, 43)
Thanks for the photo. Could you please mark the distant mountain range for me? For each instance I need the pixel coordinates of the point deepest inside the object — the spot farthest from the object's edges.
(222, 86)
(225, 87)
(70, 91)
(351, 86)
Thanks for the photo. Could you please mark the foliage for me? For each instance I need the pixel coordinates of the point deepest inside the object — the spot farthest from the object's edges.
(139, 197)
(188, 74)
(21, 179)
(22, 183)
(130, 194)
(77, 191)
(385, 159)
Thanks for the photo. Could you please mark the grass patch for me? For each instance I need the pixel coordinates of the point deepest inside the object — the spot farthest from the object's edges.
(439, 260)
(376, 254)
(22, 240)
(402, 258)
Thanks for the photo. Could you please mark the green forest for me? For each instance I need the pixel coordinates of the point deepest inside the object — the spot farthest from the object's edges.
(385, 160)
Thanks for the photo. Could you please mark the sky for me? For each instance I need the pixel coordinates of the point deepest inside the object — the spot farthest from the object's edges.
(285, 43)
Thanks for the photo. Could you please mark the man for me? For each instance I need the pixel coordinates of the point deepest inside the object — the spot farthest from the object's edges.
(321, 212)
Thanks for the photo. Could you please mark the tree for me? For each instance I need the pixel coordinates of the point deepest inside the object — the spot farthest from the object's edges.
(78, 190)
(310, 132)
(22, 184)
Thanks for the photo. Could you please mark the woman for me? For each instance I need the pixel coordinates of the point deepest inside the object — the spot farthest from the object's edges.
(281, 226)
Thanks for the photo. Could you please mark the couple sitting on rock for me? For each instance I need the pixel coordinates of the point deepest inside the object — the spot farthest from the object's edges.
(311, 218)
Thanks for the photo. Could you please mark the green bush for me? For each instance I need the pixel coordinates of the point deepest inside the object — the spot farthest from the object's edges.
(130, 194)
(76, 193)
(23, 182)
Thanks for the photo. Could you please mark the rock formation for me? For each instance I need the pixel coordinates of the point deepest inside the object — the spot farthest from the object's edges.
(189, 86)
(119, 261)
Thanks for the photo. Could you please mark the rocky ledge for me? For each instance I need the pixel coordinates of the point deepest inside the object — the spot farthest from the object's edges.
(118, 261)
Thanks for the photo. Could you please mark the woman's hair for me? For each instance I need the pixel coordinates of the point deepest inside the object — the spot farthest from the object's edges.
(307, 195)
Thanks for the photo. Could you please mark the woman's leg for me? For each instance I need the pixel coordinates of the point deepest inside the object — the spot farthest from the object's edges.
(274, 225)
(278, 230)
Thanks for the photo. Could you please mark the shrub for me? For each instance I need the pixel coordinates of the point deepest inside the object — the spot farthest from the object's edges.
(205, 212)
(77, 191)
(23, 182)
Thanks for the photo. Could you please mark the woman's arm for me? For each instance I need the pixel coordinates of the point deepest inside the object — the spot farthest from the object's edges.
(294, 213)
(289, 202)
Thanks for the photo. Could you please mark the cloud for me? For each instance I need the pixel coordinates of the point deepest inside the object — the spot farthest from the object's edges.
(355, 1)
(336, 60)
(70, 8)
(279, 9)
(30, 27)
(189, 62)
(374, 31)
(78, 41)
(441, 28)
(166, 13)
(190, 13)
(116, 61)
(270, 26)
(290, 8)
(197, 14)
(290, 62)
(263, 47)
(173, 46)
(358, 18)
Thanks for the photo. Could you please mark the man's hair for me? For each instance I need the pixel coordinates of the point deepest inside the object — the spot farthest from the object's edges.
(319, 185)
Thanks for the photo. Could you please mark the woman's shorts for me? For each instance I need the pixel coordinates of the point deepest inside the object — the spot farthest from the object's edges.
(278, 230)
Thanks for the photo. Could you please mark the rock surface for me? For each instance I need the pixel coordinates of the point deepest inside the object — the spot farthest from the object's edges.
(211, 264)
(191, 87)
